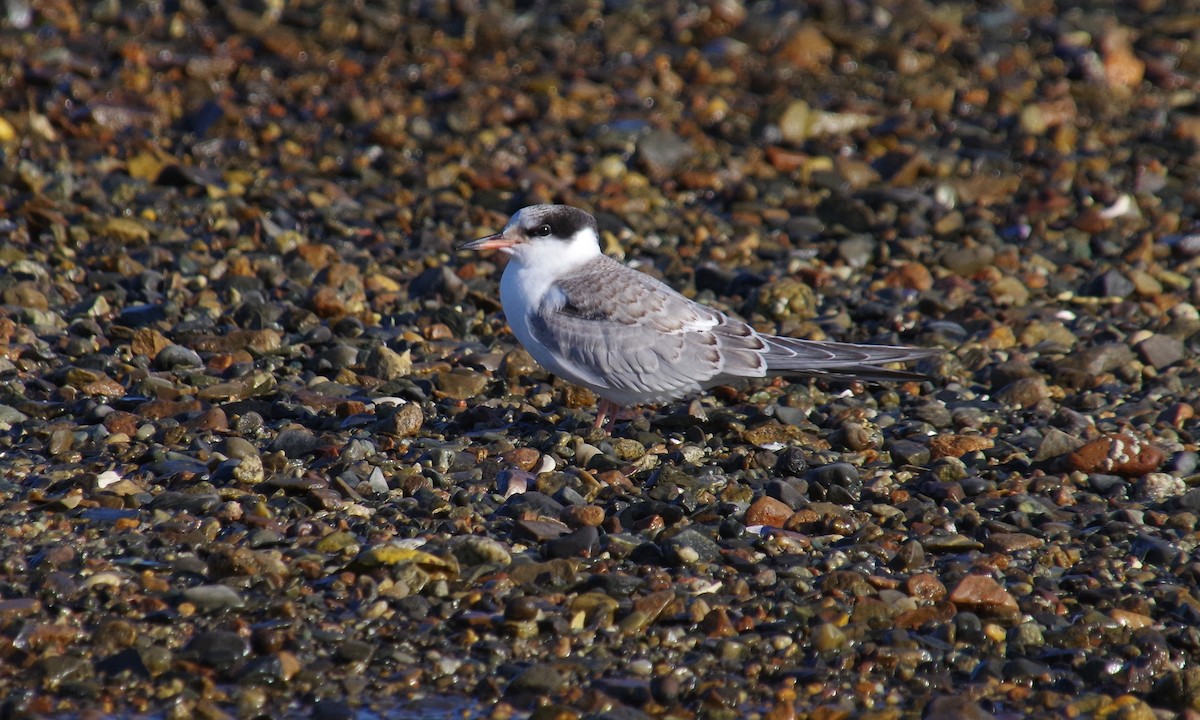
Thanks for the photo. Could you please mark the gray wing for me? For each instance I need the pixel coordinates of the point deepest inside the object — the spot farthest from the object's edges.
(623, 330)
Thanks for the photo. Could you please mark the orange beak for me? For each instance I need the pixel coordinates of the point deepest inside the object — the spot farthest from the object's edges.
(492, 242)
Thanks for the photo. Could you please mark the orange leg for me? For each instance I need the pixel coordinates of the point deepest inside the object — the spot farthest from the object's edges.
(603, 408)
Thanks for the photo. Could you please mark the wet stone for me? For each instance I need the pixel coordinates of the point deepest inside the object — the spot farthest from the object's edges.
(1157, 487)
(518, 363)
(936, 414)
(461, 383)
(910, 555)
(332, 709)
(55, 671)
(387, 364)
(1160, 351)
(295, 442)
(909, 452)
(1024, 393)
(1099, 359)
(967, 261)
(210, 598)
(786, 493)
(193, 504)
(1056, 443)
(955, 708)
(219, 649)
(955, 446)
(768, 511)
(1122, 455)
(584, 542)
(837, 480)
(400, 420)
(1183, 464)
(538, 679)
(173, 357)
(786, 299)
(532, 504)
(1111, 283)
(662, 152)
(539, 530)
(689, 547)
(1012, 542)
(982, 594)
(474, 550)
(583, 515)
(124, 661)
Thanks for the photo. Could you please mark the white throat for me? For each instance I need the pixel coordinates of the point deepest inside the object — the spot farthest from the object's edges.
(538, 262)
(534, 267)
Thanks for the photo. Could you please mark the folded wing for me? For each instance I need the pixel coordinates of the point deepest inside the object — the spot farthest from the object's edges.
(640, 341)
(641, 338)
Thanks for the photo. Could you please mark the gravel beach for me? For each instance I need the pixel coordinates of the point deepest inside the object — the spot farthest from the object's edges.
(269, 450)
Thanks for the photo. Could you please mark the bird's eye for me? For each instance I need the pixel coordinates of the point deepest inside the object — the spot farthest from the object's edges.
(542, 231)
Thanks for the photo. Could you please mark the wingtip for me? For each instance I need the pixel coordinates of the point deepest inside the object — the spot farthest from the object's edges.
(846, 361)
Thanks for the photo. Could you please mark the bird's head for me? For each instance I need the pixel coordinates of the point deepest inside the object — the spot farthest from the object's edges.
(544, 231)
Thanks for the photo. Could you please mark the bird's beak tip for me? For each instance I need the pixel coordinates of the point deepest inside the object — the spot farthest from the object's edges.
(491, 242)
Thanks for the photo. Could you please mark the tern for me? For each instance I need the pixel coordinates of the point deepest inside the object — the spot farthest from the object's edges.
(632, 339)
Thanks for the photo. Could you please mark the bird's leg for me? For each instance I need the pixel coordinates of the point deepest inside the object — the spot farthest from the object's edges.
(612, 412)
(603, 408)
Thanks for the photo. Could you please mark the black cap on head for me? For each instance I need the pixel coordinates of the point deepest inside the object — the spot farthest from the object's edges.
(560, 221)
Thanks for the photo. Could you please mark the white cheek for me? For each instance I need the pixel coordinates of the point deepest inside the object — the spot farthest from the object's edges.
(584, 245)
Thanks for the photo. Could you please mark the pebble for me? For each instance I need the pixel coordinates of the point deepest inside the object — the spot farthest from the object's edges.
(768, 511)
(474, 550)
(984, 595)
(1122, 455)
(253, 395)
(1161, 351)
(1111, 283)
(582, 542)
(689, 547)
(958, 445)
(400, 420)
(966, 261)
(387, 364)
(1056, 443)
(838, 481)
(461, 384)
(1024, 393)
(909, 452)
(221, 650)
(663, 153)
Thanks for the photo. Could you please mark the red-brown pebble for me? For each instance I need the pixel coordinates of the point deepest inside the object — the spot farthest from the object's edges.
(524, 458)
(925, 586)
(717, 625)
(910, 275)
(121, 422)
(957, 445)
(578, 516)
(1013, 542)
(213, 419)
(1119, 454)
(768, 511)
(982, 594)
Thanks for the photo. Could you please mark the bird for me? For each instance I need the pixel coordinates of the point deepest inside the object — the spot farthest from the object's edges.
(632, 339)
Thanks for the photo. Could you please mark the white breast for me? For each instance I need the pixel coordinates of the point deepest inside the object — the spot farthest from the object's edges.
(534, 267)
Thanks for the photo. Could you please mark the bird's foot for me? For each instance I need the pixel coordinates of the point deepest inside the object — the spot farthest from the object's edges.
(603, 408)
(612, 412)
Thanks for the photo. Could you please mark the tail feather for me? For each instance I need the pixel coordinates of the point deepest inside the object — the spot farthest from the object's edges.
(792, 356)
